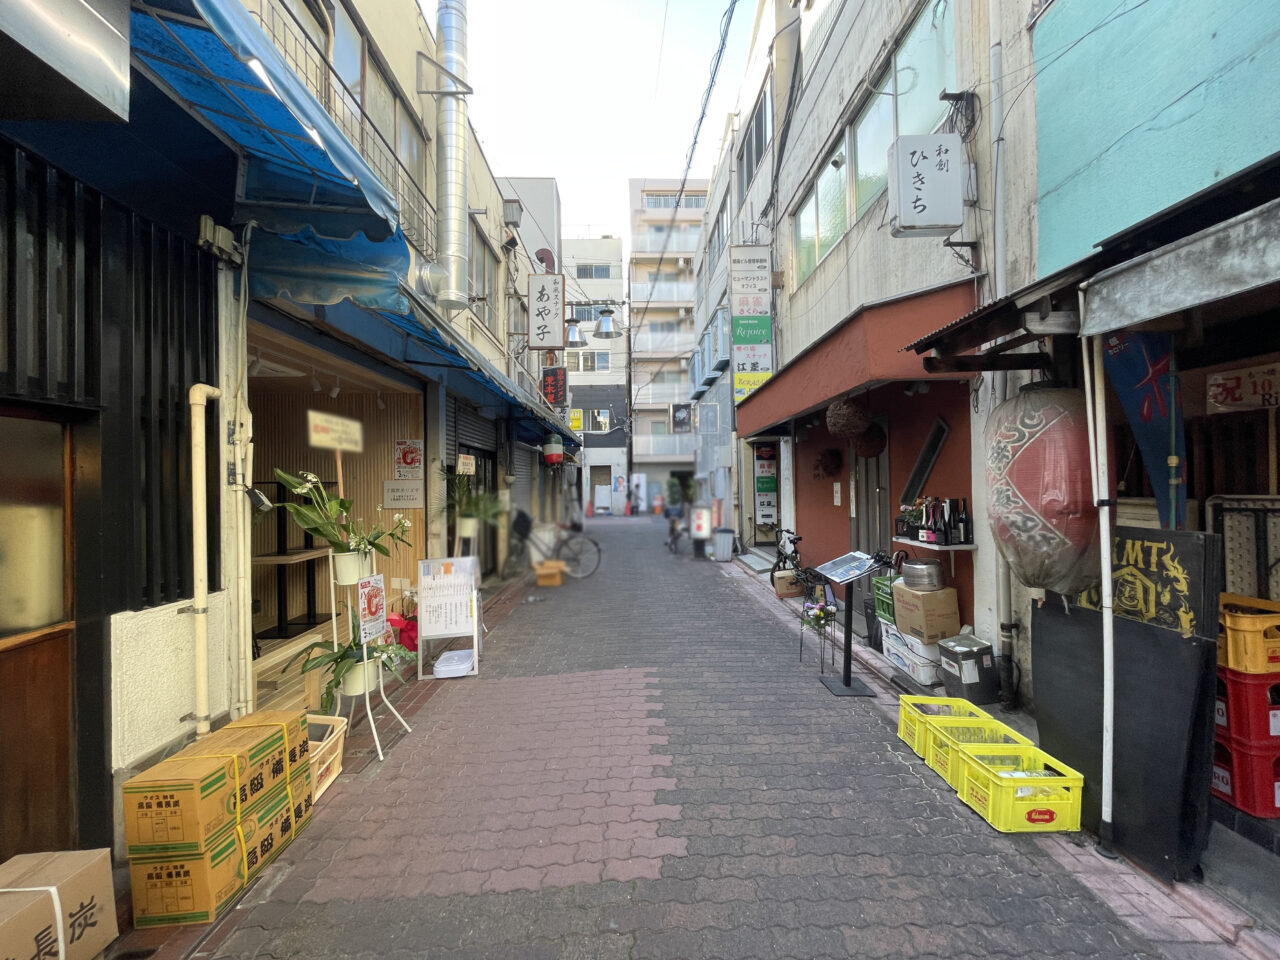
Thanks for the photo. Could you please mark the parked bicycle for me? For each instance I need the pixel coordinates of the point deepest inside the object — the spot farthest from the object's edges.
(677, 527)
(579, 552)
(788, 558)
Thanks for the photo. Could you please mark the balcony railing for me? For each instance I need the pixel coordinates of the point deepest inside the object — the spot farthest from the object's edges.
(663, 393)
(673, 343)
(664, 445)
(664, 291)
(681, 244)
(417, 215)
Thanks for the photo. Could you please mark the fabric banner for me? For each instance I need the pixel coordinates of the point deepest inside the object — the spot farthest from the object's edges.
(1138, 367)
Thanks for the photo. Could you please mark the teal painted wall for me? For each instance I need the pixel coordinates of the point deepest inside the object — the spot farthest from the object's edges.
(1142, 103)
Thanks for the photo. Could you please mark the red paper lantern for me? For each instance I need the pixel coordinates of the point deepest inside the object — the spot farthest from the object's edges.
(1039, 489)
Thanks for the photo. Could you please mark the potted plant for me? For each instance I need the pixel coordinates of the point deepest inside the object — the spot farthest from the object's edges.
(468, 508)
(353, 667)
(328, 518)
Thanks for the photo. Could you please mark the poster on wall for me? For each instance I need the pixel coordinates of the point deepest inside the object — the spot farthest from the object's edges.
(329, 432)
(750, 309)
(408, 460)
(404, 495)
(766, 483)
(1248, 389)
(373, 609)
(682, 418)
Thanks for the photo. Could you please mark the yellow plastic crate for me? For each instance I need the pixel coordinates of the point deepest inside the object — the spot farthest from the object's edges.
(947, 735)
(1250, 641)
(914, 713)
(1020, 789)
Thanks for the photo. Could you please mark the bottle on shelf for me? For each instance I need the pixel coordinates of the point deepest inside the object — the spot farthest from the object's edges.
(964, 526)
(923, 534)
(944, 523)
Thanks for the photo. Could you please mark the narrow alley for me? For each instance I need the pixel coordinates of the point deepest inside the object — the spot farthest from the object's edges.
(644, 769)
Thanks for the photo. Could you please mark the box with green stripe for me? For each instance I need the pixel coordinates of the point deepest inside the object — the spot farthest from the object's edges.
(180, 804)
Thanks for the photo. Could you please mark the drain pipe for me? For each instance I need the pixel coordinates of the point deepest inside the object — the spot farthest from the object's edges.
(1000, 381)
(198, 397)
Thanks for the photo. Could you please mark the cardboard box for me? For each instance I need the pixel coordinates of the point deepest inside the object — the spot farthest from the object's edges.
(928, 615)
(922, 671)
(191, 889)
(924, 649)
(30, 925)
(197, 888)
(292, 723)
(785, 584)
(179, 805)
(550, 572)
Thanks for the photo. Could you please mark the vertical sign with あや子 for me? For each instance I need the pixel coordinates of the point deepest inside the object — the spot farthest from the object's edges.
(750, 309)
(546, 311)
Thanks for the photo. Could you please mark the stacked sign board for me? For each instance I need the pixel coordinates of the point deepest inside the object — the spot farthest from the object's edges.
(750, 306)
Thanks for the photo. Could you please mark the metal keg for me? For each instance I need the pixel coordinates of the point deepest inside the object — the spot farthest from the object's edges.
(925, 574)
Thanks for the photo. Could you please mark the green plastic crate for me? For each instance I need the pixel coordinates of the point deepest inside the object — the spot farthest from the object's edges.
(882, 593)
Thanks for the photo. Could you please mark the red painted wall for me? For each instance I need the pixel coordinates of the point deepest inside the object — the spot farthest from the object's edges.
(824, 526)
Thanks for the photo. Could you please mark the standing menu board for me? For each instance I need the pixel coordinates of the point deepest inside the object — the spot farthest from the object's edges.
(447, 597)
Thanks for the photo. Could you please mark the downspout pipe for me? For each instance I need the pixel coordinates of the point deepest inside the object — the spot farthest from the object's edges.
(451, 162)
(198, 397)
(1000, 382)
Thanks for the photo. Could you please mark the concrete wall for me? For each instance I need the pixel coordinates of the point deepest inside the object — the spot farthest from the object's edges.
(1187, 98)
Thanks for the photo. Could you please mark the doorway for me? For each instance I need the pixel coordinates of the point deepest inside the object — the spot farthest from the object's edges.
(37, 810)
(870, 526)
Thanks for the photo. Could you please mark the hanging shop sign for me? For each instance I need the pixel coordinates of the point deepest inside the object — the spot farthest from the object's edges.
(328, 432)
(575, 420)
(1247, 389)
(750, 306)
(373, 609)
(466, 465)
(555, 385)
(682, 418)
(766, 481)
(546, 311)
(926, 185)
(408, 460)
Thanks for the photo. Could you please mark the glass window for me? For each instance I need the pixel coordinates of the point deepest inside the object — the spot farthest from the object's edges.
(412, 148)
(348, 51)
(873, 132)
(833, 201)
(694, 202)
(806, 238)
(31, 525)
(593, 271)
(598, 421)
(658, 427)
(925, 64)
(380, 102)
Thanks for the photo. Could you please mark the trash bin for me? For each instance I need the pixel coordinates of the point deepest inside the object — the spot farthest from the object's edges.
(723, 545)
(969, 669)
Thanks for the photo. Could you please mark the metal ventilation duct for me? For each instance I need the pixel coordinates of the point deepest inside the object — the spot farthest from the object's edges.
(451, 165)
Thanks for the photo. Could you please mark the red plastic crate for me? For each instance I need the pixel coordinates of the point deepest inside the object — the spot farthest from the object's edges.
(1246, 778)
(1248, 707)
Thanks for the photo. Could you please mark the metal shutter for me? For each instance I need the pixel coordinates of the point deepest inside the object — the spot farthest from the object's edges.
(473, 430)
(523, 460)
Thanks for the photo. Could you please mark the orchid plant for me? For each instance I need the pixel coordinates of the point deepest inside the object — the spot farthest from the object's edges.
(328, 518)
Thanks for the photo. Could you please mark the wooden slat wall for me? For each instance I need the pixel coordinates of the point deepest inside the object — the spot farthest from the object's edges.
(280, 431)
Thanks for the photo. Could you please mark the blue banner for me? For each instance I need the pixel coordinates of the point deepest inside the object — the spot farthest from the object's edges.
(1138, 367)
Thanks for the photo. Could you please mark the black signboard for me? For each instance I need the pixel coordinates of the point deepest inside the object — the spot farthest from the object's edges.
(555, 385)
(682, 418)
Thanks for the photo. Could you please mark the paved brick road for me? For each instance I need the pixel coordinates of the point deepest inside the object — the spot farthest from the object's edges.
(644, 770)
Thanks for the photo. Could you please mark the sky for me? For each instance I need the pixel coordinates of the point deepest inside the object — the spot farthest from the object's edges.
(597, 92)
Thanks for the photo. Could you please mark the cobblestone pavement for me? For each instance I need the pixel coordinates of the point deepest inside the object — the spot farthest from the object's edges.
(644, 770)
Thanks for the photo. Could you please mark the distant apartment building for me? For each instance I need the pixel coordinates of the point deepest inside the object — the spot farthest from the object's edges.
(666, 230)
(597, 368)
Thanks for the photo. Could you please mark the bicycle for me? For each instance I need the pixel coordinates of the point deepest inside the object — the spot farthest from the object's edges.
(579, 552)
(815, 585)
(677, 528)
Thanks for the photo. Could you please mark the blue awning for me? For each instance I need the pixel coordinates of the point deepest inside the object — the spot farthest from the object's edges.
(442, 355)
(309, 268)
(232, 76)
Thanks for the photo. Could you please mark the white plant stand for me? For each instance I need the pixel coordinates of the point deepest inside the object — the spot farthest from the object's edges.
(362, 668)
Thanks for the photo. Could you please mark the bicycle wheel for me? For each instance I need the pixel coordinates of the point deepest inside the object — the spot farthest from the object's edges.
(582, 554)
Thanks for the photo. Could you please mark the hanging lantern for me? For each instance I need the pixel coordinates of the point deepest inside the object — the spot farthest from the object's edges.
(553, 449)
(1039, 489)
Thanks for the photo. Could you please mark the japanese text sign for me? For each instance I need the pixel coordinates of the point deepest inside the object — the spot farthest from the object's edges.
(1246, 389)
(334, 433)
(926, 185)
(408, 463)
(750, 309)
(546, 311)
(555, 385)
(373, 609)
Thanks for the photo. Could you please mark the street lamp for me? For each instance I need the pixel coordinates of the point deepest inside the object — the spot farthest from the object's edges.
(605, 330)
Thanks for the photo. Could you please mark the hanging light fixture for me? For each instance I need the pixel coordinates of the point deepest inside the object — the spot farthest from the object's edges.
(382, 404)
(315, 381)
(573, 335)
(255, 365)
(605, 330)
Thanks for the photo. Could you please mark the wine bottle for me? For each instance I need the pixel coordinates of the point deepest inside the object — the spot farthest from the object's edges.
(923, 534)
(964, 526)
(933, 522)
(944, 522)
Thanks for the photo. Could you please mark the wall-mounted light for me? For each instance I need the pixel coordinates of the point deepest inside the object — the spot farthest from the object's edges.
(315, 381)
(337, 388)
(255, 365)
(382, 404)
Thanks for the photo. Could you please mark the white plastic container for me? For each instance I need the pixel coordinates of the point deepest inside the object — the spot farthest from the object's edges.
(452, 663)
(922, 671)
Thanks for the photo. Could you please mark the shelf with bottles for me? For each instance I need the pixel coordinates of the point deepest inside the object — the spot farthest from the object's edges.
(941, 548)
